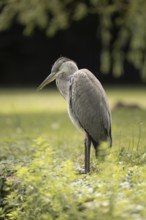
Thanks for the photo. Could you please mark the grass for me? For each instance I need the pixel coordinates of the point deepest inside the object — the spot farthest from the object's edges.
(41, 151)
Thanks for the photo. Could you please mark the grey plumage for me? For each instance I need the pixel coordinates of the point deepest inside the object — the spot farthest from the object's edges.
(87, 103)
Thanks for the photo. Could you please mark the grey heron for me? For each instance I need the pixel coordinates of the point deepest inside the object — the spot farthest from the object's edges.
(87, 103)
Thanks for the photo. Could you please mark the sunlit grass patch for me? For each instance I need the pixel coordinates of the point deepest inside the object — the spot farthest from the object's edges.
(27, 101)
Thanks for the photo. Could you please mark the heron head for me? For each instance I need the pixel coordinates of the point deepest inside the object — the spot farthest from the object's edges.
(61, 65)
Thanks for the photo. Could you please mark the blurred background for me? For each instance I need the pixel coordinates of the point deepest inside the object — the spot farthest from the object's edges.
(106, 36)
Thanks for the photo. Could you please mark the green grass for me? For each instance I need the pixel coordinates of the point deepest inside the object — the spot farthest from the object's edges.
(41, 153)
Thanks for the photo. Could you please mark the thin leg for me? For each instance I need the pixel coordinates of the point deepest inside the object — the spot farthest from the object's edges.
(96, 146)
(87, 154)
(96, 150)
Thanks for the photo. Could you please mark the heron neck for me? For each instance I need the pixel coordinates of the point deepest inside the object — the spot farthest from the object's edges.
(62, 83)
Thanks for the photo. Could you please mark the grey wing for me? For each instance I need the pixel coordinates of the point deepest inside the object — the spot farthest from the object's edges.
(88, 106)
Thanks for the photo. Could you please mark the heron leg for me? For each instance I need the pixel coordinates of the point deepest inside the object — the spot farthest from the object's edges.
(97, 149)
(96, 152)
(87, 154)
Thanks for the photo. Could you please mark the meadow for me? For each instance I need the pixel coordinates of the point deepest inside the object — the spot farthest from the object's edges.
(41, 153)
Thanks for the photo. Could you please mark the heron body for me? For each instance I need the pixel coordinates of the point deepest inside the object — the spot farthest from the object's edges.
(87, 103)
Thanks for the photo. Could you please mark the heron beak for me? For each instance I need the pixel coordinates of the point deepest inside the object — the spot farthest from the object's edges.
(49, 79)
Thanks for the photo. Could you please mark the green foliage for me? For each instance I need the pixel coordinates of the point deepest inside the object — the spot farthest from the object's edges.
(39, 177)
(122, 32)
(121, 26)
(48, 15)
